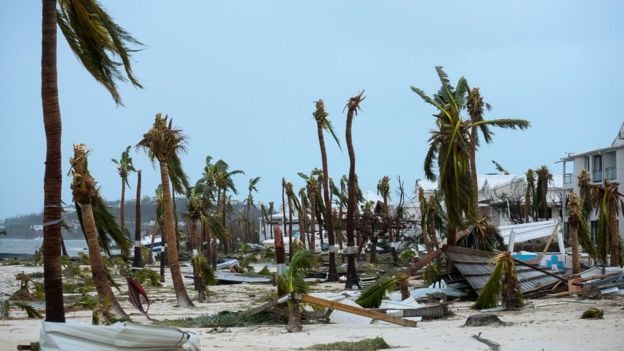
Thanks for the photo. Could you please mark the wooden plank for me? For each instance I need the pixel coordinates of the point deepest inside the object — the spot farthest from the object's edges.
(428, 312)
(356, 310)
(268, 305)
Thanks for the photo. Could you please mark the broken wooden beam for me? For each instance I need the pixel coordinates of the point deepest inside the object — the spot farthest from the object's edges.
(355, 310)
(411, 270)
(428, 312)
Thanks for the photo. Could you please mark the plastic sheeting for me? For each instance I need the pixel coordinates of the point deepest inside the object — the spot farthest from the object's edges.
(76, 336)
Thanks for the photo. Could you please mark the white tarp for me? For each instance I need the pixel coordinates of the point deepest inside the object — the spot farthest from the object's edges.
(77, 336)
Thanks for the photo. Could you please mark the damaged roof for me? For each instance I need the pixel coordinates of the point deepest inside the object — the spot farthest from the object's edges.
(476, 266)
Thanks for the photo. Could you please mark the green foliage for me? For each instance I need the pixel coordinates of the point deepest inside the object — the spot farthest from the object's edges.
(362, 345)
(227, 319)
(265, 271)
(292, 279)
(431, 273)
(147, 275)
(408, 255)
(593, 313)
(503, 281)
(30, 311)
(109, 231)
(371, 297)
(201, 265)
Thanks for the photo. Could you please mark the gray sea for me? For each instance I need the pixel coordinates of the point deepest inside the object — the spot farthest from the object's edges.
(29, 246)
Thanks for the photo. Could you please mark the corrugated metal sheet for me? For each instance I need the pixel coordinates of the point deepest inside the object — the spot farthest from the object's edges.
(476, 267)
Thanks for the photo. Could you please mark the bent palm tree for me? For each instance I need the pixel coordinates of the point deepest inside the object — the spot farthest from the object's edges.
(84, 191)
(451, 147)
(161, 142)
(323, 123)
(96, 40)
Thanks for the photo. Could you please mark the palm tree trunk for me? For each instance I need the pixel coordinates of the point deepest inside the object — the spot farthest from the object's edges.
(122, 213)
(526, 207)
(576, 262)
(226, 246)
(432, 230)
(614, 239)
(313, 222)
(473, 169)
(104, 291)
(290, 243)
(351, 208)
(332, 274)
(200, 287)
(271, 225)
(395, 257)
(138, 257)
(53, 280)
(172, 251)
(284, 206)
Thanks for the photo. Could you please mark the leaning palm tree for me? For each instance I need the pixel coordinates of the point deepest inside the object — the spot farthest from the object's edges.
(544, 178)
(84, 191)
(451, 145)
(475, 106)
(529, 193)
(323, 123)
(608, 202)
(97, 42)
(353, 106)
(124, 167)
(575, 219)
(160, 142)
(383, 189)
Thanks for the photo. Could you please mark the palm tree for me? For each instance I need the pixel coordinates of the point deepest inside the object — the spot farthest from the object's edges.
(544, 177)
(303, 215)
(124, 167)
(608, 202)
(84, 191)
(353, 106)
(222, 177)
(252, 188)
(575, 219)
(161, 142)
(97, 41)
(138, 256)
(323, 123)
(284, 204)
(475, 106)
(451, 145)
(423, 219)
(383, 189)
(291, 197)
(195, 213)
(312, 187)
(530, 192)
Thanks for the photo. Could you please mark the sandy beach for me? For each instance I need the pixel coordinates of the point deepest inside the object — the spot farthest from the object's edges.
(545, 324)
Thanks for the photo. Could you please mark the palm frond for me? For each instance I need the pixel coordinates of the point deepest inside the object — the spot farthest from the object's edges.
(97, 41)
(371, 297)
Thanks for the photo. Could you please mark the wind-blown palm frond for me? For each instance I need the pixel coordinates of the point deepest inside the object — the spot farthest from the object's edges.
(97, 41)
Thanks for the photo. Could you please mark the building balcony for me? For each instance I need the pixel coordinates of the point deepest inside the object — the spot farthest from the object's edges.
(610, 173)
(597, 175)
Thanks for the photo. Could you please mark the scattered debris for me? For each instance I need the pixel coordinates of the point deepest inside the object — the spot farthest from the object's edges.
(362, 345)
(493, 345)
(483, 319)
(593, 313)
(591, 292)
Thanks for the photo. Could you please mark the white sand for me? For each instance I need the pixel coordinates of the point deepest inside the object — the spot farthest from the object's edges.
(552, 324)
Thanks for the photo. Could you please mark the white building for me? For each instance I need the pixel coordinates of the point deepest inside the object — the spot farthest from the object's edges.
(605, 163)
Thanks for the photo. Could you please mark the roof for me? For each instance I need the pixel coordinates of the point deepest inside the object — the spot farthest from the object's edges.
(476, 266)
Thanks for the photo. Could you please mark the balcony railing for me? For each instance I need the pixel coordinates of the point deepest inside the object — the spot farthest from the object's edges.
(597, 175)
(610, 173)
(567, 178)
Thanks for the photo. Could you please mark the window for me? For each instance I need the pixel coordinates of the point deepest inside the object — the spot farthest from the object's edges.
(597, 168)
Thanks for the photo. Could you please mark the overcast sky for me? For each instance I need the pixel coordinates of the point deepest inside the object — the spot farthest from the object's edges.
(240, 78)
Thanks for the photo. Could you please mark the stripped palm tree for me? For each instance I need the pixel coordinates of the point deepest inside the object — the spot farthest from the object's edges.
(383, 189)
(529, 193)
(222, 177)
(352, 106)
(202, 271)
(575, 219)
(271, 210)
(608, 202)
(324, 124)
(451, 146)
(84, 191)
(124, 167)
(544, 178)
(161, 142)
(313, 182)
(423, 219)
(97, 41)
(249, 203)
(138, 256)
(303, 215)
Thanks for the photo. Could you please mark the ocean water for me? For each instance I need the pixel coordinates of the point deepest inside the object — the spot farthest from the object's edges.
(29, 246)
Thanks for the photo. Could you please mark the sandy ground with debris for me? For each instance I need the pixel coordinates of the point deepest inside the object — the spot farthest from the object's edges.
(546, 324)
